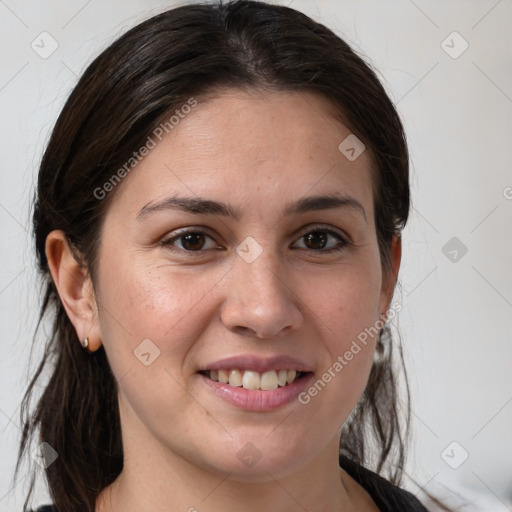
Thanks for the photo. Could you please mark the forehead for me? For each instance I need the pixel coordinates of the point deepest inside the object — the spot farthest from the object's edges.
(258, 148)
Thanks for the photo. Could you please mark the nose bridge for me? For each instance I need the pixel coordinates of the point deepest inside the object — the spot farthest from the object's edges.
(258, 267)
(257, 297)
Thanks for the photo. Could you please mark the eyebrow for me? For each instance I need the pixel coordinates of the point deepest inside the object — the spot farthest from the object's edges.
(202, 206)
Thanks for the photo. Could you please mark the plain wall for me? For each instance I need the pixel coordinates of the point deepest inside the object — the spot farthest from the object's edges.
(457, 110)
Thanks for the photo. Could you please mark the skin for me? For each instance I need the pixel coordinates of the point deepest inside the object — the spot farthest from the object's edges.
(257, 151)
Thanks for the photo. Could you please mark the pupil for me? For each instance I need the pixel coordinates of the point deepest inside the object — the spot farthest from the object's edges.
(317, 237)
(190, 238)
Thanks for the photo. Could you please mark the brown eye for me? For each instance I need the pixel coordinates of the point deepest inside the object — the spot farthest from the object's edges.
(318, 239)
(190, 241)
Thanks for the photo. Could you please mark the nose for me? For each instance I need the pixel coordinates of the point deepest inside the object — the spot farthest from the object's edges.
(260, 299)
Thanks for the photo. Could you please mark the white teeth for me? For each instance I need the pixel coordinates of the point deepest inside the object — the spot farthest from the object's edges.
(250, 379)
(269, 380)
(235, 378)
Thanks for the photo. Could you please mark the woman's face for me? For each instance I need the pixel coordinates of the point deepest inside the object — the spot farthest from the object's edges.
(262, 290)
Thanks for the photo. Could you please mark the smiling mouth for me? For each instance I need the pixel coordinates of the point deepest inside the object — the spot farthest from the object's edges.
(249, 379)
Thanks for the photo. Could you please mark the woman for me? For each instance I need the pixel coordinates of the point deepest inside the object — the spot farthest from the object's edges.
(218, 219)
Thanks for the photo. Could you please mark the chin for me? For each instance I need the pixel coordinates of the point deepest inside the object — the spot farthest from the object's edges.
(259, 461)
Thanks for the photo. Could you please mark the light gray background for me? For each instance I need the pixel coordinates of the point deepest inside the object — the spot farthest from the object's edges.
(456, 321)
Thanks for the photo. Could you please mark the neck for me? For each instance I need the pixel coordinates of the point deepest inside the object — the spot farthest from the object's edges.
(158, 480)
(168, 491)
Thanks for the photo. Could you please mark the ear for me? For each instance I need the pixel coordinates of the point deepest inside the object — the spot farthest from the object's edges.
(75, 289)
(390, 276)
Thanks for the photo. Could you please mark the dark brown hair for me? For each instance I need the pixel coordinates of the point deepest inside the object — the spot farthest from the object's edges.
(122, 96)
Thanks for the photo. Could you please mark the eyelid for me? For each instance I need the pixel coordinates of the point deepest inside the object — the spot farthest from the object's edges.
(344, 239)
(324, 227)
(167, 241)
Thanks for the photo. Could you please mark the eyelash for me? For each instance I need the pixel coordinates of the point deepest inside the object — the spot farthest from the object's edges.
(344, 242)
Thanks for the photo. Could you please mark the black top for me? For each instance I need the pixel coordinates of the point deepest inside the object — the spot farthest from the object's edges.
(387, 497)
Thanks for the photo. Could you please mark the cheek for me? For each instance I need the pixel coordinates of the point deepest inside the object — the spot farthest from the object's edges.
(152, 302)
(346, 300)
(160, 312)
(347, 303)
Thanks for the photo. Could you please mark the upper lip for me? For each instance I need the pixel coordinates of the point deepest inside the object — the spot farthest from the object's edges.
(258, 363)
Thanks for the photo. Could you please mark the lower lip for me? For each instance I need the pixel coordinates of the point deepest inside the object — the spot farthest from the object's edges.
(258, 400)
